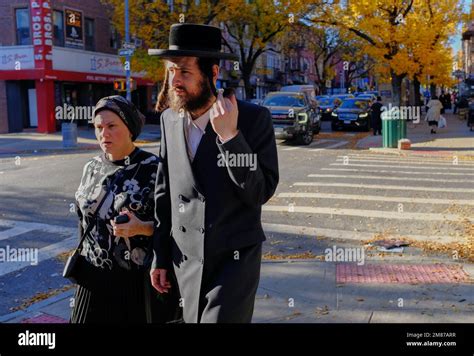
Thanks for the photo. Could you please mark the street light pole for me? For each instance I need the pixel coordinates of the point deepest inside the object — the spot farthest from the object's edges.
(127, 58)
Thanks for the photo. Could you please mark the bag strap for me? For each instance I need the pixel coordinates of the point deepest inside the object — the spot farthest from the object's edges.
(90, 226)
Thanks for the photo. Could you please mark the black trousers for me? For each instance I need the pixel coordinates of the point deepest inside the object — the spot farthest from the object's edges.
(229, 285)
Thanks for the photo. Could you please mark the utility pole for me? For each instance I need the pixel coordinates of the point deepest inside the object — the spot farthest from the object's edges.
(127, 58)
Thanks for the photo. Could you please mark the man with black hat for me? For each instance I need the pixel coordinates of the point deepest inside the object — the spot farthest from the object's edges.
(218, 165)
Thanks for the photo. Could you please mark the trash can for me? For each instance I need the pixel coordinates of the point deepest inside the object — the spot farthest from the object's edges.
(390, 129)
(69, 130)
(402, 128)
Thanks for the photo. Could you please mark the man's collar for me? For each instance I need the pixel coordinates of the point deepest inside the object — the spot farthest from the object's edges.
(201, 122)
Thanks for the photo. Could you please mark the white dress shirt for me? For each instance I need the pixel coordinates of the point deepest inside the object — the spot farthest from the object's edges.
(194, 130)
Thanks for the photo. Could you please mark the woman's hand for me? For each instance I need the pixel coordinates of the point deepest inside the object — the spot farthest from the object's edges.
(133, 227)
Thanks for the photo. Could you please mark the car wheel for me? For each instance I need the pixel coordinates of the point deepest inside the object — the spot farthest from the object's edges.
(316, 129)
(306, 138)
(334, 127)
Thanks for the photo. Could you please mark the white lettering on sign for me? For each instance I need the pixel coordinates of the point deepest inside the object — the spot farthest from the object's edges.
(41, 23)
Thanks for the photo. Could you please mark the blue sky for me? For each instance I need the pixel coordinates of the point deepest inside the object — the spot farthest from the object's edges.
(456, 40)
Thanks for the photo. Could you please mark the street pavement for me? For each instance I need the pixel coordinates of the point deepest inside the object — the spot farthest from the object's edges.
(341, 193)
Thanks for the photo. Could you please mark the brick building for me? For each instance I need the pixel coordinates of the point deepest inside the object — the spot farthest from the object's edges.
(56, 52)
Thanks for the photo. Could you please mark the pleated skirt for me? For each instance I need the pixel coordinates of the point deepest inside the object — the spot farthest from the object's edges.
(117, 296)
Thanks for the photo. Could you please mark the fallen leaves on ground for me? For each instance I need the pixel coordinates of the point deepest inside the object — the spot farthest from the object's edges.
(296, 256)
(322, 311)
(64, 256)
(41, 296)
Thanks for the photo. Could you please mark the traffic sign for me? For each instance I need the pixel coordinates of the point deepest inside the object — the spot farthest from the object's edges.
(123, 52)
(128, 45)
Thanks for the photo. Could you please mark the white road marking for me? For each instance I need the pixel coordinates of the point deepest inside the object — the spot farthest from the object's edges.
(350, 159)
(377, 198)
(385, 187)
(366, 213)
(453, 167)
(346, 234)
(313, 144)
(395, 172)
(44, 253)
(389, 178)
(339, 144)
(403, 158)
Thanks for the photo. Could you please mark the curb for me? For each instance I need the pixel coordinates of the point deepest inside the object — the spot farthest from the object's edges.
(37, 306)
(66, 150)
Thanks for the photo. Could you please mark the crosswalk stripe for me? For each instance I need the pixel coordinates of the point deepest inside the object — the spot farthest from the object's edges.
(389, 187)
(44, 253)
(365, 213)
(313, 144)
(404, 159)
(339, 144)
(395, 172)
(345, 234)
(389, 178)
(36, 226)
(453, 167)
(18, 230)
(350, 159)
(377, 198)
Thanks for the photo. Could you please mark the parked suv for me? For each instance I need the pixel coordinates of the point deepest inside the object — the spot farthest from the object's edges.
(294, 117)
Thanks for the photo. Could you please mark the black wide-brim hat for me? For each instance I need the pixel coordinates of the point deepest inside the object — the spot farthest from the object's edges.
(192, 40)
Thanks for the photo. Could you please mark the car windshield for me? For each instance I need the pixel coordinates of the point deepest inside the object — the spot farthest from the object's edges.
(354, 104)
(329, 102)
(284, 100)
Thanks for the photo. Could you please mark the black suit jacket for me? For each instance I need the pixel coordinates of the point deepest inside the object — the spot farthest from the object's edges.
(203, 208)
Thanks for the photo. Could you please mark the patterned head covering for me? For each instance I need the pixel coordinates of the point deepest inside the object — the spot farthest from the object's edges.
(129, 114)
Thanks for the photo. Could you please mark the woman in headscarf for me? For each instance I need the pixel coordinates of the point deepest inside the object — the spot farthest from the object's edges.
(113, 284)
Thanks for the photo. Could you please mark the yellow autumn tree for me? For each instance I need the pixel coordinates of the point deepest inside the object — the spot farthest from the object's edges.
(252, 25)
(402, 36)
(150, 22)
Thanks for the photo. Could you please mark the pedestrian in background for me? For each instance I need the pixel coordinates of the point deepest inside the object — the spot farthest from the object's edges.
(434, 113)
(376, 109)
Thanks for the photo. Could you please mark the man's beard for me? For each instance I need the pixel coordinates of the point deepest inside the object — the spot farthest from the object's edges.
(190, 102)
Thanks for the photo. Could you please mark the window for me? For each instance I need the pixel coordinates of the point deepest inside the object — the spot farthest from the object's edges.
(23, 36)
(89, 34)
(114, 38)
(58, 21)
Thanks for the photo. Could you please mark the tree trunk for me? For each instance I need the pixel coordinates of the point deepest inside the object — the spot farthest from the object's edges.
(247, 85)
(416, 90)
(397, 88)
(433, 89)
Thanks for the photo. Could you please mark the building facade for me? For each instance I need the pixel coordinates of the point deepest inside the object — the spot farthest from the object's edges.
(55, 53)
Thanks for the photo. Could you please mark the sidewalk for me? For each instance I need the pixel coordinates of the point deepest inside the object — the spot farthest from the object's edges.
(455, 139)
(311, 291)
(32, 142)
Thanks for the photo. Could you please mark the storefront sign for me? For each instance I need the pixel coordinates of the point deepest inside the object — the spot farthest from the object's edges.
(74, 29)
(16, 58)
(42, 30)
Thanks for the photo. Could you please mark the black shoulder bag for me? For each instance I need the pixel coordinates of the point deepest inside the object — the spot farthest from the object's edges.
(71, 267)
